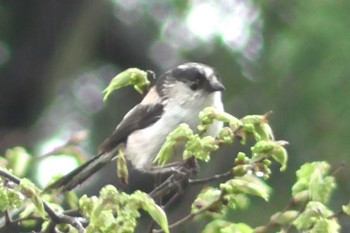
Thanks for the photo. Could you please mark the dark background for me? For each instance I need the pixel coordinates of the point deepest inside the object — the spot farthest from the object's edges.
(291, 57)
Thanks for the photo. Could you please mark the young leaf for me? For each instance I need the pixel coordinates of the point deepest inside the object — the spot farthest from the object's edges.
(9, 199)
(313, 178)
(207, 197)
(156, 212)
(315, 219)
(122, 168)
(72, 199)
(237, 228)
(158, 215)
(181, 134)
(18, 160)
(280, 155)
(132, 76)
(248, 184)
(346, 209)
(29, 190)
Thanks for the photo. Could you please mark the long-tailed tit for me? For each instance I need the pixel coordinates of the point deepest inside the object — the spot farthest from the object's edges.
(177, 97)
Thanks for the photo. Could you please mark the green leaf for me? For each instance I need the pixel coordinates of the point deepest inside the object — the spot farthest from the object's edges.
(226, 135)
(158, 215)
(72, 199)
(200, 148)
(18, 160)
(253, 119)
(237, 228)
(210, 114)
(87, 204)
(207, 197)
(326, 226)
(222, 226)
(264, 131)
(38, 203)
(181, 134)
(312, 177)
(315, 219)
(29, 190)
(248, 184)
(155, 211)
(264, 146)
(215, 226)
(236, 201)
(9, 199)
(346, 209)
(207, 115)
(132, 76)
(122, 168)
(281, 156)
(258, 126)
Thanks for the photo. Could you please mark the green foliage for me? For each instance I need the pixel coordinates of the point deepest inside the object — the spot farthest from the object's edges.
(247, 184)
(179, 135)
(102, 209)
(10, 199)
(346, 209)
(315, 218)
(18, 159)
(131, 76)
(115, 211)
(202, 147)
(30, 191)
(313, 178)
(221, 226)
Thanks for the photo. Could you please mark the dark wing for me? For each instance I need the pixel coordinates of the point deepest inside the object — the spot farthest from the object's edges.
(141, 116)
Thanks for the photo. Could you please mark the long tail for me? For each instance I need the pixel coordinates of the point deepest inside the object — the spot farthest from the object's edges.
(80, 174)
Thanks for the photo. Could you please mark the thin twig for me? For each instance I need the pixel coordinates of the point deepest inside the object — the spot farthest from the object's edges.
(212, 178)
(9, 176)
(191, 215)
(18, 220)
(336, 215)
(72, 142)
(272, 221)
(8, 218)
(339, 168)
(163, 188)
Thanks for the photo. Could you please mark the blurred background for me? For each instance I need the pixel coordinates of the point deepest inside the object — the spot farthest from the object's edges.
(291, 57)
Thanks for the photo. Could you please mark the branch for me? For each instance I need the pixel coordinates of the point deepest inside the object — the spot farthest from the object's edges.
(272, 221)
(192, 215)
(70, 144)
(211, 178)
(56, 218)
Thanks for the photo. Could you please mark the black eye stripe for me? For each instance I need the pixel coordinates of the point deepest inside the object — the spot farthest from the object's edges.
(190, 75)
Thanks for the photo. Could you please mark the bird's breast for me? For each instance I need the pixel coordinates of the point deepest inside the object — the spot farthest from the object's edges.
(143, 145)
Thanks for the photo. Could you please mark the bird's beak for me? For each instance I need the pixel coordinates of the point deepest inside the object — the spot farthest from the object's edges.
(215, 84)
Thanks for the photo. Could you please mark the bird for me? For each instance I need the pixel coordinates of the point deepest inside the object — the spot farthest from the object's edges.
(176, 97)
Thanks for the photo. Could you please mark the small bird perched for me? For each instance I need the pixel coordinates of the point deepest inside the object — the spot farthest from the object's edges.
(177, 97)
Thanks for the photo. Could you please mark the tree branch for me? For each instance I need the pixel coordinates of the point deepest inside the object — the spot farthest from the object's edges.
(212, 178)
(192, 215)
(76, 222)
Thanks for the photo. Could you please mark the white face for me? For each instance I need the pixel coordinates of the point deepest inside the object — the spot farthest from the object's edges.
(194, 82)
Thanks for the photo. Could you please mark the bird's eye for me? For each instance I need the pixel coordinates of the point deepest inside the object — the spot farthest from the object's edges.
(194, 85)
